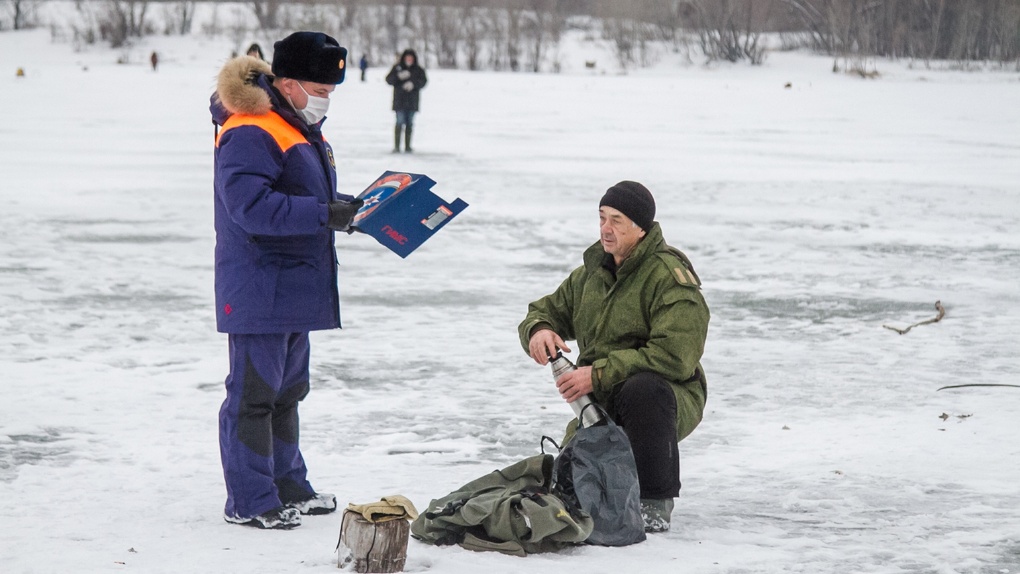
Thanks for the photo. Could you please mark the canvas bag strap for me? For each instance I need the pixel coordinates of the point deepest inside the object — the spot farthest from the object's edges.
(541, 444)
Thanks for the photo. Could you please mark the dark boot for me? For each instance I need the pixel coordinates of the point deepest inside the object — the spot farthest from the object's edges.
(396, 138)
(407, 140)
(656, 513)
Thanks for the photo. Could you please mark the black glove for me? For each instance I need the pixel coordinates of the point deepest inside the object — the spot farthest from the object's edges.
(341, 213)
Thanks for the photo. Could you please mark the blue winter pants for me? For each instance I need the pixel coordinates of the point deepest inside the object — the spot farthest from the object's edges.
(262, 464)
(405, 118)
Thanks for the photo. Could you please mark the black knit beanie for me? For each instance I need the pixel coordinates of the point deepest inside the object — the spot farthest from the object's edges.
(633, 200)
(310, 57)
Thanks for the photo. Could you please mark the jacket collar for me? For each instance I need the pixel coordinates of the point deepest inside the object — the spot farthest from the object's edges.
(245, 86)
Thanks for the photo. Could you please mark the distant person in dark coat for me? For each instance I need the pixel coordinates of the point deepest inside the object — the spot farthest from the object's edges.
(363, 64)
(154, 59)
(407, 79)
(255, 51)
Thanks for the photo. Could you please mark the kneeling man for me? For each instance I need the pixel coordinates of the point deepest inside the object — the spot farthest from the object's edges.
(636, 310)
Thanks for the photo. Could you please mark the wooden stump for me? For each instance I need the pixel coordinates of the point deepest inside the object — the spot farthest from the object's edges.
(373, 546)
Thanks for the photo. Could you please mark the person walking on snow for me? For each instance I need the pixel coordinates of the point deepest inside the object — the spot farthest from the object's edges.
(636, 311)
(276, 211)
(407, 79)
(255, 51)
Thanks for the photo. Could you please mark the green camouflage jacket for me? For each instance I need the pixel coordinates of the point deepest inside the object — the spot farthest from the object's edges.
(650, 318)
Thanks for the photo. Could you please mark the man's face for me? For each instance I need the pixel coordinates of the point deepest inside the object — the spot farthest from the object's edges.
(618, 233)
(409, 60)
(296, 89)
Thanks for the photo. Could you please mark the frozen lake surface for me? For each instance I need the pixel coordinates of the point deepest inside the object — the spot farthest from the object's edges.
(814, 214)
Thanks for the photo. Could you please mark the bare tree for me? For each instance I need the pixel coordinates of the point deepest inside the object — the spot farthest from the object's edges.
(966, 42)
(392, 25)
(423, 36)
(510, 34)
(1004, 32)
(267, 13)
(497, 26)
(631, 28)
(369, 22)
(474, 28)
(732, 29)
(514, 15)
(22, 13)
(239, 29)
(123, 19)
(669, 18)
(533, 29)
(407, 13)
(87, 31)
(814, 20)
(542, 26)
(448, 33)
(622, 32)
(178, 17)
(963, 30)
(328, 17)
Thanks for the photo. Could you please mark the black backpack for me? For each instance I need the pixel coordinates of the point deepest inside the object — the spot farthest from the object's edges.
(595, 473)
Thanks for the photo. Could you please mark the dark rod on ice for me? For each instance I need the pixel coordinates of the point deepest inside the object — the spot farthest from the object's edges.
(976, 385)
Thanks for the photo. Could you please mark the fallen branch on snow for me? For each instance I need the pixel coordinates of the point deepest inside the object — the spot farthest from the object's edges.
(938, 307)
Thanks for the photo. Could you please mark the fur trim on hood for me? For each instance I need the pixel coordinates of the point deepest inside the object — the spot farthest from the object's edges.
(236, 87)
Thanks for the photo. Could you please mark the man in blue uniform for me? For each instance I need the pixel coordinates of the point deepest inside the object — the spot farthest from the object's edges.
(276, 210)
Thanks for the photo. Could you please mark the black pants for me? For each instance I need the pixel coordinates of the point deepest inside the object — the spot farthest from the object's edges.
(645, 406)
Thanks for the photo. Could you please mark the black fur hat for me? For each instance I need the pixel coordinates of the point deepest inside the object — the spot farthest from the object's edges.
(310, 57)
(633, 200)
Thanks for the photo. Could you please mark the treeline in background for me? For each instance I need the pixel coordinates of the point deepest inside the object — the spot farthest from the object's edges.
(524, 35)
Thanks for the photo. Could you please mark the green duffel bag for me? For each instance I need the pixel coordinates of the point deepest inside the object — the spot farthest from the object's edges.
(509, 511)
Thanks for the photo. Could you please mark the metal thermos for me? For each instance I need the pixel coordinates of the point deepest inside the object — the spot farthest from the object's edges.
(562, 365)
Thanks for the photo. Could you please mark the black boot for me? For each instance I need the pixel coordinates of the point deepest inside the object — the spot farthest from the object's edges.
(396, 138)
(407, 140)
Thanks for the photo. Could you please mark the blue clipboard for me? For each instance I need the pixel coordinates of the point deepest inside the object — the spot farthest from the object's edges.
(401, 212)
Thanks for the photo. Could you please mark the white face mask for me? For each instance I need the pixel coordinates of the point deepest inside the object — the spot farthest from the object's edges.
(315, 109)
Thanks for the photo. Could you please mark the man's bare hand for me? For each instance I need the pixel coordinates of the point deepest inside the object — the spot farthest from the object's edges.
(575, 384)
(544, 344)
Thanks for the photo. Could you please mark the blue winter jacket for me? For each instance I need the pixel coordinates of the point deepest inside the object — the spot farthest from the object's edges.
(276, 266)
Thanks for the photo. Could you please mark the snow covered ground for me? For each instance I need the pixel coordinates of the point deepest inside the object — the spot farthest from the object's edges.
(814, 213)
